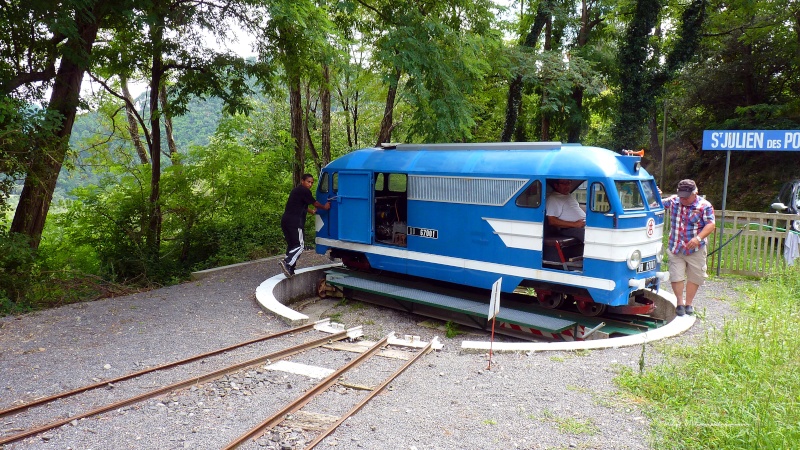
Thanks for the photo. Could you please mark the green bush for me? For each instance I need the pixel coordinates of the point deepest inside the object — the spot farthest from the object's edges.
(221, 204)
(17, 270)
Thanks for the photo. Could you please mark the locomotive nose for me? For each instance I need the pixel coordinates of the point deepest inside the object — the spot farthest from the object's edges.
(643, 283)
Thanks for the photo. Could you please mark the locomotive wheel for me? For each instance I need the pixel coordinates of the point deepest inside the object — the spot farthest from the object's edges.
(590, 309)
(322, 288)
(552, 301)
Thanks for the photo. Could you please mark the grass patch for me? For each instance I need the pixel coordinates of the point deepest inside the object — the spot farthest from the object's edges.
(358, 306)
(451, 330)
(571, 425)
(336, 317)
(737, 388)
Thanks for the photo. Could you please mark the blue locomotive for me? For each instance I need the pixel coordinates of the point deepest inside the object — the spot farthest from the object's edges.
(472, 213)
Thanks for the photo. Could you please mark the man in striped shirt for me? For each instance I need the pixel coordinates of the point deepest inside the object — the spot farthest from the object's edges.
(691, 222)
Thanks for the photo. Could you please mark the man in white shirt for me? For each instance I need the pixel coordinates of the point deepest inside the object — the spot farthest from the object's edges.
(564, 212)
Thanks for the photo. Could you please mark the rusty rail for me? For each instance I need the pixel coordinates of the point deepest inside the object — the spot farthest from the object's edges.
(185, 383)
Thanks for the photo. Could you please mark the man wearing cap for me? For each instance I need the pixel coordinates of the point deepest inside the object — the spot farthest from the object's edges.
(691, 222)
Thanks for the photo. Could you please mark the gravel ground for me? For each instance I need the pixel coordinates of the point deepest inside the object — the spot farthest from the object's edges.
(543, 400)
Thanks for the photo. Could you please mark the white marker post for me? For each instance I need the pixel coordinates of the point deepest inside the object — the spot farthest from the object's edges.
(494, 309)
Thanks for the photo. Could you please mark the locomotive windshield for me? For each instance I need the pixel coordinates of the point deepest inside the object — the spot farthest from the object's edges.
(629, 195)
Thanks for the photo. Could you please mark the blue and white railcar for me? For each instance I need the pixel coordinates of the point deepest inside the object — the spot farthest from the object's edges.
(472, 213)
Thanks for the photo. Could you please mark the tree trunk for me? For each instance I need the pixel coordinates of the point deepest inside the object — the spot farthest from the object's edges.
(133, 125)
(515, 87)
(40, 181)
(345, 102)
(310, 110)
(173, 149)
(153, 242)
(314, 154)
(512, 108)
(298, 134)
(325, 98)
(387, 125)
(575, 123)
(589, 19)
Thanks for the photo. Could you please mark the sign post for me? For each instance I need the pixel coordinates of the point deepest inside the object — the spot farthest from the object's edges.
(746, 140)
(494, 309)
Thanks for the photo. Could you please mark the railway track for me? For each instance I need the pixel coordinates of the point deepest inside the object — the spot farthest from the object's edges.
(331, 341)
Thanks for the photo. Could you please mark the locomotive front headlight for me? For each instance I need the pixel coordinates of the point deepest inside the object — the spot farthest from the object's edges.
(634, 260)
(660, 253)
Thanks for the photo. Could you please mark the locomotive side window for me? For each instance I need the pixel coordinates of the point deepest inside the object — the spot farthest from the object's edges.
(335, 183)
(630, 195)
(599, 199)
(398, 182)
(531, 197)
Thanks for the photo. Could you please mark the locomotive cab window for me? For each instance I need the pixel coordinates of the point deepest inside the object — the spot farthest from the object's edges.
(391, 208)
(649, 188)
(599, 199)
(531, 197)
(324, 183)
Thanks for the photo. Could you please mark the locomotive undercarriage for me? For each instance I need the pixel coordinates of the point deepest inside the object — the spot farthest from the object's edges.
(547, 295)
(557, 296)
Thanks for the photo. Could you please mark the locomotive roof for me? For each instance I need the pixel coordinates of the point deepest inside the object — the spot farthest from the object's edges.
(553, 159)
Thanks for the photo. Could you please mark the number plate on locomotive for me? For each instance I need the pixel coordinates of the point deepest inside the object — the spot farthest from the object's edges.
(646, 266)
(423, 232)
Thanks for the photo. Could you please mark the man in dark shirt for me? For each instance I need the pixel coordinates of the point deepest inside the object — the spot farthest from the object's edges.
(294, 219)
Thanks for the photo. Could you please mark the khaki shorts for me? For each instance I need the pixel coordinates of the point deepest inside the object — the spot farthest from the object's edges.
(690, 268)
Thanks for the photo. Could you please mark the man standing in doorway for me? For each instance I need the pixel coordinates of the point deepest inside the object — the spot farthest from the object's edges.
(691, 222)
(293, 221)
(564, 212)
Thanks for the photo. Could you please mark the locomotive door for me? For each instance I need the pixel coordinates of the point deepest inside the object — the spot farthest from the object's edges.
(355, 207)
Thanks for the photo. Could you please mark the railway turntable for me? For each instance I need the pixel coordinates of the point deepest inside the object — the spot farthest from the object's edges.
(520, 314)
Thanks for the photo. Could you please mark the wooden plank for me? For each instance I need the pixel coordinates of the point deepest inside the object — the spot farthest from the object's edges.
(361, 347)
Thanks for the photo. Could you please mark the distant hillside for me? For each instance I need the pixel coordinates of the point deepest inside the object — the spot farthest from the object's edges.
(191, 129)
(194, 128)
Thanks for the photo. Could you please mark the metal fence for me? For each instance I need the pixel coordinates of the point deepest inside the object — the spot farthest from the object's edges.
(753, 242)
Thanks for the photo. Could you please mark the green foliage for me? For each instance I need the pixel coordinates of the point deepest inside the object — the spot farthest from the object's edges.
(443, 51)
(635, 73)
(219, 205)
(26, 132)
(451, 330)
(17, 266)
(736, 389)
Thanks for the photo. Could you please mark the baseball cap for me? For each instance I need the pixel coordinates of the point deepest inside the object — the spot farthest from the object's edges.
(686, 188)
